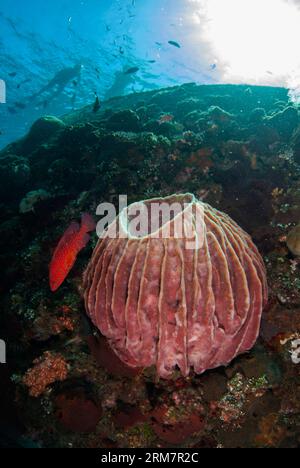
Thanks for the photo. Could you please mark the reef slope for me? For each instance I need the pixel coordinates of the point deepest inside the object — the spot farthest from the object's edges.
(238, 149)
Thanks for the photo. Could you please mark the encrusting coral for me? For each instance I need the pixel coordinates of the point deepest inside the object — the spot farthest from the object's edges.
(48, 369)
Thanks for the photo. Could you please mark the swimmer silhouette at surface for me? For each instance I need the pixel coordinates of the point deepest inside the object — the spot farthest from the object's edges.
(55, 86)
(126, 82)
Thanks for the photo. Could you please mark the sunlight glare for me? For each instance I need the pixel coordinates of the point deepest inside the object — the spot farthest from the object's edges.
(253, 41)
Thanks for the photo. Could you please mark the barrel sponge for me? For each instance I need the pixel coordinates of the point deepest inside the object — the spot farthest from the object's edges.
(187, 300)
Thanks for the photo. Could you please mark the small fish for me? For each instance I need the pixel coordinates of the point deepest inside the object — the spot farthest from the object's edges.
(132, 70)
(175, 44)
(12, 74)
(72, 242)
(165, 118)
(151, 61)
(97, 104)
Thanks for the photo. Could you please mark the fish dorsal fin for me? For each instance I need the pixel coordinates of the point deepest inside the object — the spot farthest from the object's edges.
(87, 223)
(83, 241)
(73, 229)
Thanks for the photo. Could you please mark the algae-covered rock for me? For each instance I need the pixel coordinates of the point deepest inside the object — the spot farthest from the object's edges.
(124, 120)
(296, 145)
(153, 110)
(31, 199)
(44, 128)
(219, 115)
(257, 115)
(167, 129)
(285, 121)
(14, 173)
(189, 105)
(293, 241)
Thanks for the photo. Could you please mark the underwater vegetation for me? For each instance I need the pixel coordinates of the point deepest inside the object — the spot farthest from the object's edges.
(188, 302)
(237, 148)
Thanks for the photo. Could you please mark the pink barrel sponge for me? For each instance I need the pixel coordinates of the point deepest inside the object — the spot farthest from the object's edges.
(185, 299)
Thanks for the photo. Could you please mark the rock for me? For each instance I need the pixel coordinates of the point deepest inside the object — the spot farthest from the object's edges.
(257, 115)
(214, 385)
(44, 128)
(296, 145)
(125, 120)
(130, 416)
(193, 120)
(31, 199)
(77, 413)
(167, 129)
(293, 241)
(164, 97)
(189, 105)
(177, 432)
(284, 121)
(219, 115)
(153, 111)
(14, 174)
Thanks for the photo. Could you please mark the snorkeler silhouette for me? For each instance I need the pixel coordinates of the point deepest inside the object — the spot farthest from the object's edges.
(60, 81)
(127, 79)
(120, 83)
(55, 86)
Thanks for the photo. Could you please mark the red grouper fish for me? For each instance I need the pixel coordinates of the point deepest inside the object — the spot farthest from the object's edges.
(72, 242)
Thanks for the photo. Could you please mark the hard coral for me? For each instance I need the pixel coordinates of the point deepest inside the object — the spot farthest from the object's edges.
(191, 301)
(47, 369)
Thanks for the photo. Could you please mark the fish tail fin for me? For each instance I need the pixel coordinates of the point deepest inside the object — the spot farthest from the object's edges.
(87, 223)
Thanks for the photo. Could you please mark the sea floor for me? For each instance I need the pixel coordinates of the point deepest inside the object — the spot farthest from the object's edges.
(235, 147)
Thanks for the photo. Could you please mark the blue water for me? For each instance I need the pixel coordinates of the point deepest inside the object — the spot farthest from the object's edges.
(40, 39)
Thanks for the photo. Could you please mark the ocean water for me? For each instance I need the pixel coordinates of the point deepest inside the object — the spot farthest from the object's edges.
(106, 38)
(180, 328)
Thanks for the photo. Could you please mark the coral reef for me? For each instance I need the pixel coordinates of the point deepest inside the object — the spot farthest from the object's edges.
(237, 148)
(48, 369)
